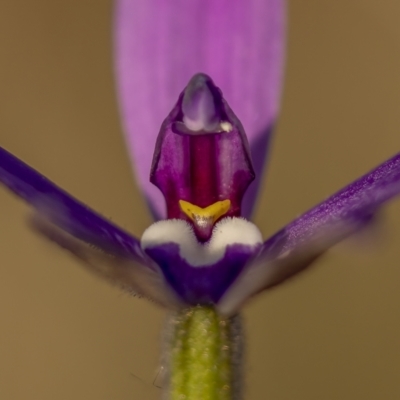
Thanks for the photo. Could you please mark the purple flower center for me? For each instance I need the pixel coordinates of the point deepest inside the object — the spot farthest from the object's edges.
(202, 158)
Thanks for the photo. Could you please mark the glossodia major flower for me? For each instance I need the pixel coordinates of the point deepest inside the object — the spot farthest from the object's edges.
(204, 252)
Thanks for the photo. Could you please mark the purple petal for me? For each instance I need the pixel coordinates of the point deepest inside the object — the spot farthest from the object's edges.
(65, 211)
(297, 245)
(76, 228)
(160, 45)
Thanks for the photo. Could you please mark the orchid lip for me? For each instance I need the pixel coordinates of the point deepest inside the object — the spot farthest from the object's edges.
(200, 273)
(204, 218)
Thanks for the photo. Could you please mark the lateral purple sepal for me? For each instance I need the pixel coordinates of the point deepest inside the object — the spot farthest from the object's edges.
(354, 204)
(65, 211)
(159, 45)
(201, 284)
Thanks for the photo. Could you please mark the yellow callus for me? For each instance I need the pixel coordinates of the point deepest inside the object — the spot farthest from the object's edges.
(205, 215)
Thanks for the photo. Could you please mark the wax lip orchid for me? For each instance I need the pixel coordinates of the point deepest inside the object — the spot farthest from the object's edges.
(204, 252)
(202, 257)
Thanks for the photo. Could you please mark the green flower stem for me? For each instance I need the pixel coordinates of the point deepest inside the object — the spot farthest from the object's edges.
(202, 354)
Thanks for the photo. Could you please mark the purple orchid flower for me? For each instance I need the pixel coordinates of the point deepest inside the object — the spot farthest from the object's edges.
(205, 171)
(204, 252)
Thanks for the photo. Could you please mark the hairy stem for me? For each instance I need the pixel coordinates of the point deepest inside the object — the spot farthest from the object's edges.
(204, 355)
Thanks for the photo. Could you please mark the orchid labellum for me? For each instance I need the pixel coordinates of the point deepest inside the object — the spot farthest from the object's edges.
(209, 73)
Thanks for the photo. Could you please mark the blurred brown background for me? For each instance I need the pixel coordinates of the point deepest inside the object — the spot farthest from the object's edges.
(333, 333)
